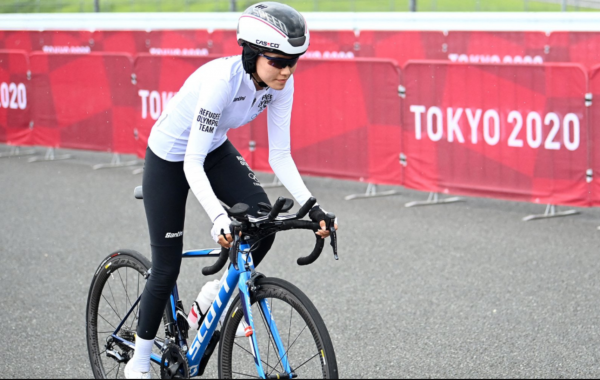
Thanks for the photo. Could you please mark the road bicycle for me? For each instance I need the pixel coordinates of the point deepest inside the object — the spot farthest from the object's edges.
(297, 345)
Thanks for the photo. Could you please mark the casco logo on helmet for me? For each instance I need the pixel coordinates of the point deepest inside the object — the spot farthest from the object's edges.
(267, 44)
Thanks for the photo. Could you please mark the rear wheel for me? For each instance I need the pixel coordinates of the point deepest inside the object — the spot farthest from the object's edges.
(117, 284)
(305, 339)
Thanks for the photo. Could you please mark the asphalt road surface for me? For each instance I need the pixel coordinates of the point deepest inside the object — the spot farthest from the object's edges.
(459, 290)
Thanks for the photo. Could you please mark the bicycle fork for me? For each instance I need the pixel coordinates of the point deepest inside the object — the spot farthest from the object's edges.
(245, 283)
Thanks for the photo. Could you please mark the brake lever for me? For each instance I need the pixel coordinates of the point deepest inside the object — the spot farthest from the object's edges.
(333, 235)
(233, 251)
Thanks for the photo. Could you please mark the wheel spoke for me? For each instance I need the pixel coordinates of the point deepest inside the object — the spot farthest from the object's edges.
(135, 317)
(108, 373)
(100, 315)
(127, 299)
(250, 353)
(113, 297)
(125, 287)
(300, 366)
(289, 348)
(117, 373)
(137, 308)
(243, 374)
(113, 309)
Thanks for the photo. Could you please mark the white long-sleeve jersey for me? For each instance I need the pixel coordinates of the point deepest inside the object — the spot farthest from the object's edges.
(217, 97)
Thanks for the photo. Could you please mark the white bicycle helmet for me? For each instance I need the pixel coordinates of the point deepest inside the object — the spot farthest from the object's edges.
(271, 27)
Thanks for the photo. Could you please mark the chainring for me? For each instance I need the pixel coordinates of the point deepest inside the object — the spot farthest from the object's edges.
(174, 364)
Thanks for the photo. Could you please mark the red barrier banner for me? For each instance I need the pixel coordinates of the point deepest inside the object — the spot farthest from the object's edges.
(155, 42)
(512, 132)
(63, 42)
(348, 128)
(223, 43)
(122, 41)
(18, 40)
(83, 101)
(332, 44)
(159, 78)
(199, 42)
(15, 98)
(402, 46)
(48, 41)
(576, 47)
(179, 42)
(595, 133)
(497, 47)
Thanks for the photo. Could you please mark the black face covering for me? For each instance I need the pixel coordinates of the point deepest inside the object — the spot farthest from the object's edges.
(249, 57)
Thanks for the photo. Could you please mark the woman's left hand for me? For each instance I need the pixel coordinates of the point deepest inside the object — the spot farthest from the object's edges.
(317, 214)
(324, 232)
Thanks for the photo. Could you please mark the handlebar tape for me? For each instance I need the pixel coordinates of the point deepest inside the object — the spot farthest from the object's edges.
(315, 253)
(306, 225)
(216, 268)
(306, 207)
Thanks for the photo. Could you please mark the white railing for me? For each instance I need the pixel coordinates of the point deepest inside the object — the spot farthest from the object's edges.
(484, 21)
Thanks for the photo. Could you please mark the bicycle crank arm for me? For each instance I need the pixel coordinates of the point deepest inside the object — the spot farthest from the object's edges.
(172, 371)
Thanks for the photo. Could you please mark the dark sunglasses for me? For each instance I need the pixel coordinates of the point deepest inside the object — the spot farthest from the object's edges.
(281, 63)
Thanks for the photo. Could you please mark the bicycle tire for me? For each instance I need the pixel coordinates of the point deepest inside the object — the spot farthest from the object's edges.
(127, 259)
(280, 290)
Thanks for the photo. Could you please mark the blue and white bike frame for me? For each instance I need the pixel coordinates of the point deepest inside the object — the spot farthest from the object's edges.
(231, 278)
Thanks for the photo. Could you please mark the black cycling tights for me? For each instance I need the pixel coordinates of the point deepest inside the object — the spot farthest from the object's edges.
(165, 193)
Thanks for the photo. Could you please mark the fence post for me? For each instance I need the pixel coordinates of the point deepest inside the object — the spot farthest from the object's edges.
(232, 6)
(413, 5)
(96, 5)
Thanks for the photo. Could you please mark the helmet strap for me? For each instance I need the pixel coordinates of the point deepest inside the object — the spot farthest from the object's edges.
(260, 83)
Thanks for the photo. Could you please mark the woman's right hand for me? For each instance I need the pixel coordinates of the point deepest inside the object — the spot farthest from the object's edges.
(220, 227)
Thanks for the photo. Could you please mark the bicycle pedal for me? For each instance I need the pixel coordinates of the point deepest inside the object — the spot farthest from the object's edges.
(209, 351)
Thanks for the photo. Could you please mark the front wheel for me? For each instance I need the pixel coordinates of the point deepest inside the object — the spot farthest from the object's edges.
(306, 342)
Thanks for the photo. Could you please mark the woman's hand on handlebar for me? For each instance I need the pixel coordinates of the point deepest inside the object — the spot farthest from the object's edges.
(220, 232)
(324, 232)
(225, 243)
(318, 215)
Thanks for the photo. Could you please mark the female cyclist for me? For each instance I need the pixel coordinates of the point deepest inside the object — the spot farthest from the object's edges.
(188, 148)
